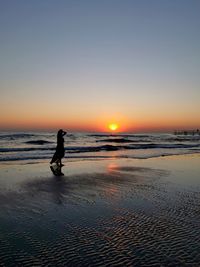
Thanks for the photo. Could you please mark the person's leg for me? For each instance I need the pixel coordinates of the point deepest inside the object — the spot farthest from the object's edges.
(57, 162)
(60, 163)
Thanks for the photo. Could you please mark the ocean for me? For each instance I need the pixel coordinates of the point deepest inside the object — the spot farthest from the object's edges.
(39, 146)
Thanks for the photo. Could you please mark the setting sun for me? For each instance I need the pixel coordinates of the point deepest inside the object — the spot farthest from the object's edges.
(113, 126)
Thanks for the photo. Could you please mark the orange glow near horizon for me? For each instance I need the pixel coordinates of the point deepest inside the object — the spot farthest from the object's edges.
(113, 126)
(93, 126)
(116, 122)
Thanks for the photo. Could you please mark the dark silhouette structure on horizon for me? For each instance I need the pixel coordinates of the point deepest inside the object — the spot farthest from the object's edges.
(189, 132)
(60, 150)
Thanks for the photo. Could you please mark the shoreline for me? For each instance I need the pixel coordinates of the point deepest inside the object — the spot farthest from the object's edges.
(92, 158)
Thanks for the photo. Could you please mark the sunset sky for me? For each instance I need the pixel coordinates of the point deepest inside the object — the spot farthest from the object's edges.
(80, 64)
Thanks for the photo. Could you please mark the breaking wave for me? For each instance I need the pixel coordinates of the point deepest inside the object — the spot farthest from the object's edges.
(31, 146)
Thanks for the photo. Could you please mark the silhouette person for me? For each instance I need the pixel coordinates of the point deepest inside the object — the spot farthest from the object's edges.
(60, 150)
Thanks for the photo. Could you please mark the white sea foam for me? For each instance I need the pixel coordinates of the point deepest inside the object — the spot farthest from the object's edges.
(34, 146)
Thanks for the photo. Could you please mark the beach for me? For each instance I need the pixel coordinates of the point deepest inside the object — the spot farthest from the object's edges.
(108, 212)
(99, 133)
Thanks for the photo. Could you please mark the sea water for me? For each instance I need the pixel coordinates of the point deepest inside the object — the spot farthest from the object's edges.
(40, 146)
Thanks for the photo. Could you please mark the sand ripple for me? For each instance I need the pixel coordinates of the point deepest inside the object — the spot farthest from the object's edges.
(125, 217)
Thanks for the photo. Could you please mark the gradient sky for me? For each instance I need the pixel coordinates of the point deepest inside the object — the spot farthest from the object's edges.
(79, 64)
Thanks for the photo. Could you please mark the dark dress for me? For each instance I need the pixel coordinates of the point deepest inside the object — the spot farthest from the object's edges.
(60, 150)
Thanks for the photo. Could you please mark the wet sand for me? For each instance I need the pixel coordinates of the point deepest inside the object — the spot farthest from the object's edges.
(101, 213)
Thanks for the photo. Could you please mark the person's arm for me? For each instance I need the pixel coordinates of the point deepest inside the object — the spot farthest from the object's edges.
(64, 133)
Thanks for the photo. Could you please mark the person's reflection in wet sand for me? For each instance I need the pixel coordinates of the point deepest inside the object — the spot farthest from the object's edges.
(59, 190)
(57, 170)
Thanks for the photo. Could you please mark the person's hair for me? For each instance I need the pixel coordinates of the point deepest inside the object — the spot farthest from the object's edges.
(59, 134)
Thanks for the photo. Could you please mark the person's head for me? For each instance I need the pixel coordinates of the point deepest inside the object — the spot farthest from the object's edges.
(61, 133)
